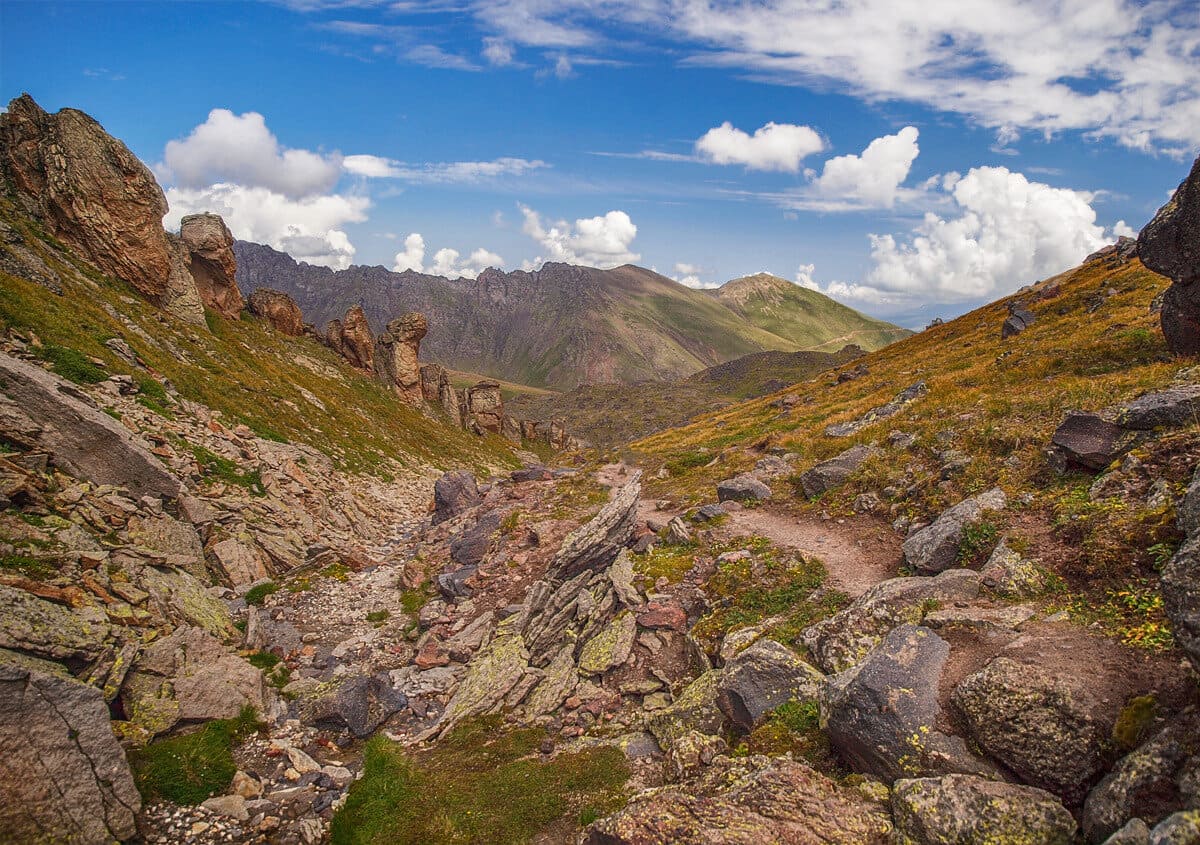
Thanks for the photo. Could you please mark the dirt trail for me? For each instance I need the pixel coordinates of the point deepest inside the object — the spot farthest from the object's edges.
(859, 552)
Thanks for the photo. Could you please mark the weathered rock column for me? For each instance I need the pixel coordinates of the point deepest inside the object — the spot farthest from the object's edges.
(351, 338)
(1170, 244)
(278, 309)
(396, 352)
(209, 245)
(484, 408)
(437, 390)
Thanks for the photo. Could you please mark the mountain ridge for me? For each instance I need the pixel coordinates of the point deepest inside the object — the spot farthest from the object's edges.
(556, 327)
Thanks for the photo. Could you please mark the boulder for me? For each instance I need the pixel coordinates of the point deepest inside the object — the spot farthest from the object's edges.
(1134, 833)
(968, 810)
(35, 626)
(351, 338)
(470, 545)
(595, 545)
(1019, 318)
(438, 390)
(743, 488)
(1011, 575)
(1085, 441)
(93, 194)
(833, 473)
(396, 353)
(454, 493)
(935, 548)
(748, 802)
(209, 245)
(1159, 777)
(842, 640)
(1049, 732)
(238, 561)
(1180, 587)
(42, 412)
(696, 709)
(484, 407)
(278, 309)
(65, 777)
(1182, 828)
(761, 678)
(609, 648)
(1170, 245)
(359, 703)
(897, 404)
(881, 716)
(1171, 408)
(1189, 508)
(189, 677)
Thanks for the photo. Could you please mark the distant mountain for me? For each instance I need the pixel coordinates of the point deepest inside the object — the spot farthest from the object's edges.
(557, 327)
(805, 317)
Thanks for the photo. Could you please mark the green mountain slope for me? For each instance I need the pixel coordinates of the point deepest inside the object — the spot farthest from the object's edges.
(804, 317)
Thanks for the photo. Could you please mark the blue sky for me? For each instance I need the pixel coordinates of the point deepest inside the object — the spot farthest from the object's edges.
(912, 159)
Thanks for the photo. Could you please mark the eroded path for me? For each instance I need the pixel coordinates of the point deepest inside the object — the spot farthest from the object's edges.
(858, 552)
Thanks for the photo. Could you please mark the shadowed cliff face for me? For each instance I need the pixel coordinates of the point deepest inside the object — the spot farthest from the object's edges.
(556, 327)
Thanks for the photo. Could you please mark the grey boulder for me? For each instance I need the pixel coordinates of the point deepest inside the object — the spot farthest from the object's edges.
(743, 488)
(968, 810)
(833, 473)
(360, 703)
(1180, 586)
(935, 548)
(453, 493)
(761, 678)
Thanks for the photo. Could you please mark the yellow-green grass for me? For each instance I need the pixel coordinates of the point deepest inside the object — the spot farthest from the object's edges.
(242, 368)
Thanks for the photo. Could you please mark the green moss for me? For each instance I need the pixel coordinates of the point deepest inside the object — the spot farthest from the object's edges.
(256, 594)
(413, 600)
(71, 364)
(27, 565)
(190, 768)
(479, 784)
(794, 728)
(1134, 722)
(378, 617)
(274, 670)
(213, 466)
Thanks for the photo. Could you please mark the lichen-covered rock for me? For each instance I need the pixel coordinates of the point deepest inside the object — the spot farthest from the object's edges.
(1180, 587)
(1009, 574)
(94, 195)
(968, 810)
(833, 473)
(935, 548)
(897, 404)
(278, 309)
(238, 560)
(359, 703)
(453, 493)
(696, 709)
(492, 674)
(748, 802)
(44, 413)
(882, 715)
(1049, 732)
(743, 488)
(1157, 778)
(761, 678)
(1134, 833)
(35, 626)
(484, 407)
(1170, 408)
(396, 351)
(209, 244)
(691, 752)
(845, 638)
(1170, 244)
(1182, 828)
(65, 777)
(611, 647)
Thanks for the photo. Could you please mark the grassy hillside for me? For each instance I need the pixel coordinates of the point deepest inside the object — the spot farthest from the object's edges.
(283, 388)
(1095, 342)
(805, 317)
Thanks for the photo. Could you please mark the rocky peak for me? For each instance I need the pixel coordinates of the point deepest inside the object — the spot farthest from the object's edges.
(95, 196)
(278, 309)
(396, 352)
(351, 338)
(1170, 244)
(211, 261)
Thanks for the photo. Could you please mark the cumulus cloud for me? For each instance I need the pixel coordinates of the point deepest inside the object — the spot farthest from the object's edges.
(689, 274)
(309, 228)
(240, 149)
(1009, 232)
(873, 178)
(602, 241)
(497, 52)
(446, 261)
(804, 277)
(774, 146)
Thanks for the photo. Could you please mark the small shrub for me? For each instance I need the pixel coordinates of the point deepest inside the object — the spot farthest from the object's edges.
(378, 617)
(978, 541)
(256, 594)
(213, 465)
(1134, 722)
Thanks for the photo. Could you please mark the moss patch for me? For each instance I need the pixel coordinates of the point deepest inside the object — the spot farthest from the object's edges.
(479, 784)
(191, 768)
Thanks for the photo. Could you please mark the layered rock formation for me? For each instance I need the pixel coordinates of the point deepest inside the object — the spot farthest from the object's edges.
(95, 196)
(351, 338)
(278, 309)
(396, 351)
(210, 259)
(1170, 244)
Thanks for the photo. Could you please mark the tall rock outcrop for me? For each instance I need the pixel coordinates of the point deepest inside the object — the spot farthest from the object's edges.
(437, 390)
(396, 351)
(94, 195)
(484, 408)
(1170, 244)
(278, 309)
(209, 244)
(351, 338)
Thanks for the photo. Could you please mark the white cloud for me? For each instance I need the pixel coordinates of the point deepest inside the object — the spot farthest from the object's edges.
(873, 178)
(230, 148)
(804, 277)
(497, 52)
(445, 261)
(373, 167)
(431, 55)
(563, 68)
(689, 274)
(309, 228)
(774, 146)
(602, 241)
(1121, 229)
(412, 257)
(377, 167)
(1009, 232)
